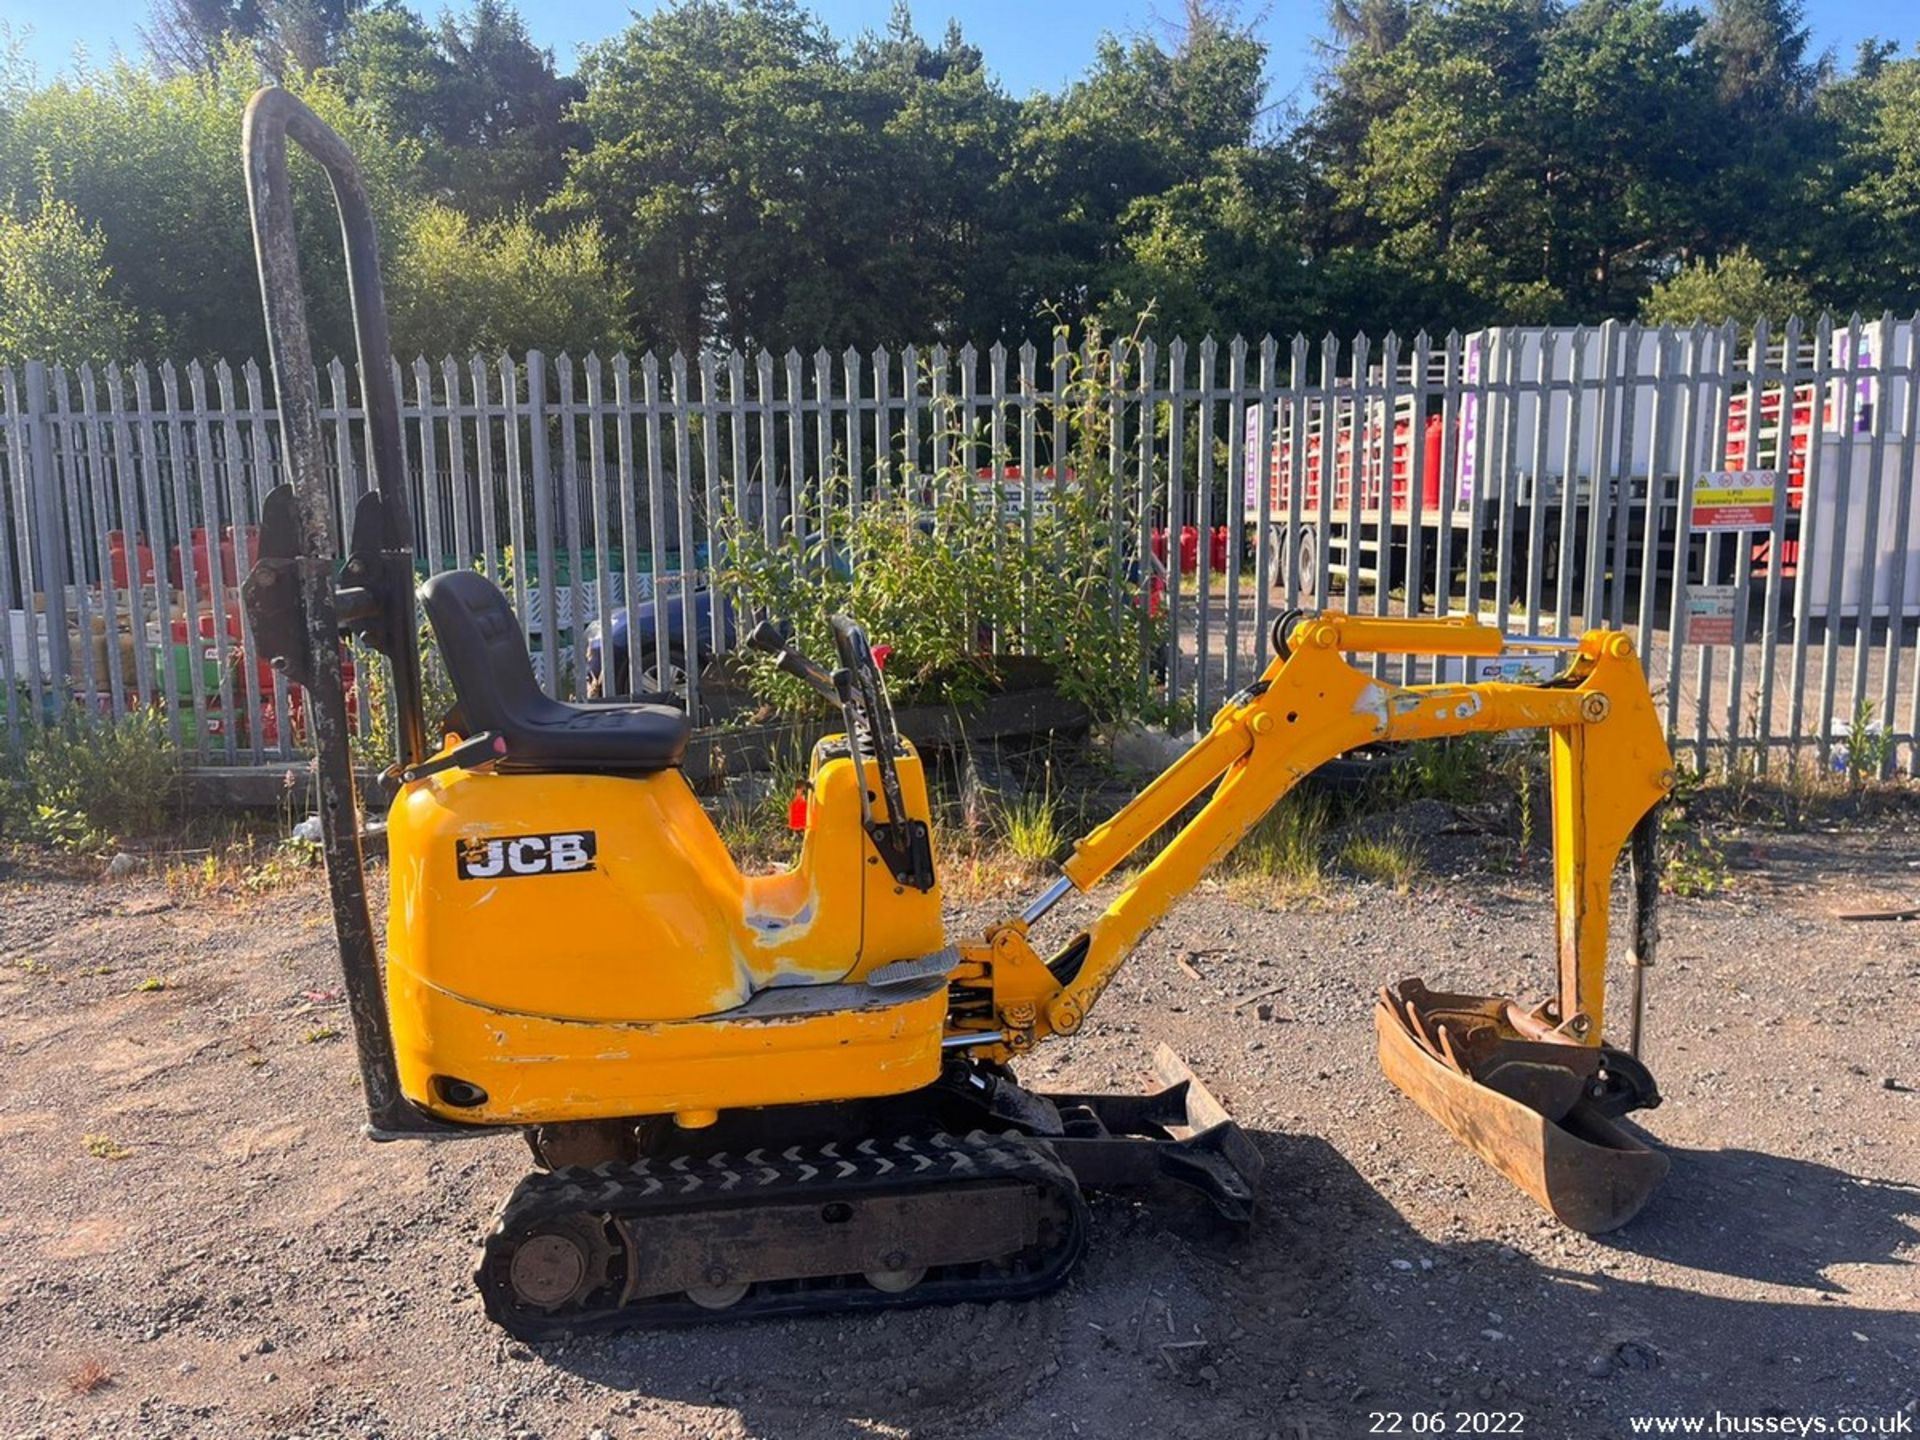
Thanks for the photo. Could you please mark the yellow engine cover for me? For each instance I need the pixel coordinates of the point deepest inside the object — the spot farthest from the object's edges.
(583, 946)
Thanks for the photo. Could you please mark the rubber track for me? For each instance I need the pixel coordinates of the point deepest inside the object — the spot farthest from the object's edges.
(771, 1175)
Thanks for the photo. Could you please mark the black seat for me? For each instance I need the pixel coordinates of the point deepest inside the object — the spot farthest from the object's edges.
(486, 657)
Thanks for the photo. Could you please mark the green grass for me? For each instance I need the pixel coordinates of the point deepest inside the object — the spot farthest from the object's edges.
(1033, 828)
(755, 831)
(87, 784)
(1287, 848)
(1693, 865)
(1384, 859)
(1458, 771)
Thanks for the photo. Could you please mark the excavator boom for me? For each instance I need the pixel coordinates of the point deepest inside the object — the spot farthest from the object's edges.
(1507, 1080)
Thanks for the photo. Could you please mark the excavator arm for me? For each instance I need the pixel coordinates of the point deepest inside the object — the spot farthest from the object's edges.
(1610, 769)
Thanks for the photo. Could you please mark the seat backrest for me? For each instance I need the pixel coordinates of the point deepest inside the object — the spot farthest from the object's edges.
(485, 653)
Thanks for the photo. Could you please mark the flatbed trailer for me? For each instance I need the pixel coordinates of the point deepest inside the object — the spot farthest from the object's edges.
(1313, 553)
(1415, 508)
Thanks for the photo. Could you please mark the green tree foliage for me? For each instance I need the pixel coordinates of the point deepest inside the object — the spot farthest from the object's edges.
(187, 37)
(56, 291)
(1153, 151)
(1222, 254)
(1869, 251)
(1736, 287)
(1516, 160)
(152, 165)
(459, 285)
(728, 171)
(1765, 134)
(935, 224)
(739, 163)
(482, 101)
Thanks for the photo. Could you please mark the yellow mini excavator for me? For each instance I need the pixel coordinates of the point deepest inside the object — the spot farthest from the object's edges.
(762, 1095)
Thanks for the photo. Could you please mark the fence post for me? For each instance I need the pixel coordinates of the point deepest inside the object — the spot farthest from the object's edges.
(48, 523)
(543, 520)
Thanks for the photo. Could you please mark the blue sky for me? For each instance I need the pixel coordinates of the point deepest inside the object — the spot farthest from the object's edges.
(1032, 44)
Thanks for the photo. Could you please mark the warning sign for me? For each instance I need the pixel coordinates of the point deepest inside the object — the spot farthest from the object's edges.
(1733, 500)
(1709, 614)
(1535, 669)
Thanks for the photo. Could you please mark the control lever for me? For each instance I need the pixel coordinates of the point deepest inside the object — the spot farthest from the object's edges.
(843, 688)
(764, 637)
(486, 748)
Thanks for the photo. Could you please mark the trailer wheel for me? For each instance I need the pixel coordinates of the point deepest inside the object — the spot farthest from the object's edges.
(1307, 559)
(1276, 557)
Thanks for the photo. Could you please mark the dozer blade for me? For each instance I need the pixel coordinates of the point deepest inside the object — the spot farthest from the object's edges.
(1179, 1133)
(1527, 1114)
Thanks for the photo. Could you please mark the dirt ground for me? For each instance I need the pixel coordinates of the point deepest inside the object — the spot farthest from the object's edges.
(250, 1266)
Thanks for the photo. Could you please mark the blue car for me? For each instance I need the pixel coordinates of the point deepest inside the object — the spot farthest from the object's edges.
(646, 677)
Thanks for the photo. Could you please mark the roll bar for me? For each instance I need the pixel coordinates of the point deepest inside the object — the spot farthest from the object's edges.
(298, 607)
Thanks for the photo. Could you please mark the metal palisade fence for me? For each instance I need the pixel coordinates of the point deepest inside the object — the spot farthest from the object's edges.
(1743, 502)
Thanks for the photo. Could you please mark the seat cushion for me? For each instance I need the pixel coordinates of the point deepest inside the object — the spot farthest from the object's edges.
(486, 658)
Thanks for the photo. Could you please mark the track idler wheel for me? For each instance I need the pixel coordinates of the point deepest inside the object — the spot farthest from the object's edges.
(1537, 1107)
(718, 1297)
(560, 1264)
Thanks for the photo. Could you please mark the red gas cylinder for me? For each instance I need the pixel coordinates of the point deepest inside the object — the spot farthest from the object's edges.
(238, 551)
(117, 547)
(1217, 550)
(207, 631)
(1189, 549)
(175, 569)
(297, 701)
(1430, 485)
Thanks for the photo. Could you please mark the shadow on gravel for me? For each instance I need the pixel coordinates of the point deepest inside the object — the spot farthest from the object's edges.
(1771, 1218)
(1315, 1319)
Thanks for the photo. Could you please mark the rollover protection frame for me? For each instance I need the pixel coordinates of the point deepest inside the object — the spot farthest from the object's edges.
(297, 603)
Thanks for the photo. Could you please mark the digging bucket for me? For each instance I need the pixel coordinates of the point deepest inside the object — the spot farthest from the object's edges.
(1581, 1166)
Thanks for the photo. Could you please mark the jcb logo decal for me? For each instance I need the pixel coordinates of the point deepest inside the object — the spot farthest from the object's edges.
(498, 856)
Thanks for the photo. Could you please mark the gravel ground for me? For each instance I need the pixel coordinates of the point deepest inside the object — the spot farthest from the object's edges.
(251, 1267)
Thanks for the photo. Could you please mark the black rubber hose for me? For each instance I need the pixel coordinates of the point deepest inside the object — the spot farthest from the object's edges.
(1283, 624)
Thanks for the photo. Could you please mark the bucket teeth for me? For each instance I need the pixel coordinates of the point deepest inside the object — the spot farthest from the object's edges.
(1523, 1104)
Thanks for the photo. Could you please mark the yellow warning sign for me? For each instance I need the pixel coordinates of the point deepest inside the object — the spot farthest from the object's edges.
(1733, 500)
